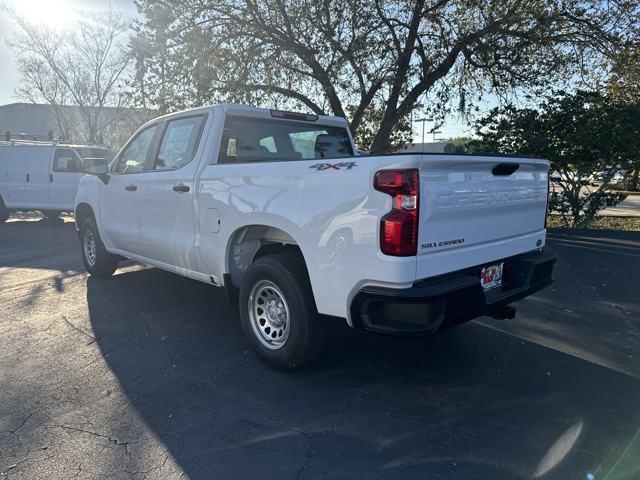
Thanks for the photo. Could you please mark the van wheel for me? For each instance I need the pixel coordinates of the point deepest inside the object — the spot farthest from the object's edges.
(97, 260)
(51, 214)
(278, 313)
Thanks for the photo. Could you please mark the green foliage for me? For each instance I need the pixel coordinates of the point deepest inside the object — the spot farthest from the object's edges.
(624, 80)
(624, 86)
(581, 135)
(365, 136)
(466, 145)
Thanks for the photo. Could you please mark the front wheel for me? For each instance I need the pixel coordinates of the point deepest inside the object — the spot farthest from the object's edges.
(97, 260)
(278, 313)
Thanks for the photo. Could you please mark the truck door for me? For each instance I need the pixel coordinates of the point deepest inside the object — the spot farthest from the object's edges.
(167, 222)
(120, 197)
(64, 178)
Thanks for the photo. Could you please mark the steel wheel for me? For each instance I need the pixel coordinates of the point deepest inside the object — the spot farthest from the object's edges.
(89, 245)
(269, 314)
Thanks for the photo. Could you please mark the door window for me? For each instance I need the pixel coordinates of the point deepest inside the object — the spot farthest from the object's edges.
(66, 160)
(133, 157)
(179, 143)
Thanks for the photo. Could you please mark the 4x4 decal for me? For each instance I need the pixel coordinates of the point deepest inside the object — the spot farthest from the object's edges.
(335, 166)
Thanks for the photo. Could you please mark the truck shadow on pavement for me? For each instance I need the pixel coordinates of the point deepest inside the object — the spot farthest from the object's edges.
(470, 402)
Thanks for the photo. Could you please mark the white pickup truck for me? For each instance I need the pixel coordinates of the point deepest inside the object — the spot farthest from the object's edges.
(275, 207)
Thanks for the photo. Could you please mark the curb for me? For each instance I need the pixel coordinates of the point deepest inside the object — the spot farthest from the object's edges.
(633, 194)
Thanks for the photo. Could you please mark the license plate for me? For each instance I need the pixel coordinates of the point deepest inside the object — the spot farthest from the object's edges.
(491, 276)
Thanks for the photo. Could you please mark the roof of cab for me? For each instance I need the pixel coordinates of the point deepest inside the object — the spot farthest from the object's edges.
(255, 112)
(27, 143)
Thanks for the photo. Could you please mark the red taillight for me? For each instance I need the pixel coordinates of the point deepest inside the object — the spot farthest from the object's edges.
(399, 227)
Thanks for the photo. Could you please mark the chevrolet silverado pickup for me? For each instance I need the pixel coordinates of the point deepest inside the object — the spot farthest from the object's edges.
(277, 208)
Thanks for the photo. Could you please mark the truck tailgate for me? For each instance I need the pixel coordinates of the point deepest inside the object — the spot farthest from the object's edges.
(477, 209)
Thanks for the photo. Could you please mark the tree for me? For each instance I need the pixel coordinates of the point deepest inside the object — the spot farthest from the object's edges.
(624, 86)
(401, 135)
(83, 66)
(344, 57)
(465, 144)
(582, 135)
(624, 81)
(40, 83)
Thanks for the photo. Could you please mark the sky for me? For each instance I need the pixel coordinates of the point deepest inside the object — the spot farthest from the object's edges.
(52, 13)
(62, 12)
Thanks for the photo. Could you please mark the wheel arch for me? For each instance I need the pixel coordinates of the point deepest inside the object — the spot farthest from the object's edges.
(83, 211)
(4, 211)
(250, 242)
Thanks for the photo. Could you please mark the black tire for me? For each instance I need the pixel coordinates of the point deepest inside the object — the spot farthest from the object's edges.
(103, 263)
(51, 214)
(304, 338)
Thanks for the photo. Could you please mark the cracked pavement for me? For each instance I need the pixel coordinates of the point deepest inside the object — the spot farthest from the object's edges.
(146, 376)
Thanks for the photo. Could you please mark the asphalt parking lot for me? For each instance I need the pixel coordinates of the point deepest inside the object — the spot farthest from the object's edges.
(147, 375)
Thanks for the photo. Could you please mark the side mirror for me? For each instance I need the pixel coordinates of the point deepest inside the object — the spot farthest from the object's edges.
(98, 167)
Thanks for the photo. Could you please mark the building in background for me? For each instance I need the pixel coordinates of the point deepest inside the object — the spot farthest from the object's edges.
(441, 146)
(32, 121)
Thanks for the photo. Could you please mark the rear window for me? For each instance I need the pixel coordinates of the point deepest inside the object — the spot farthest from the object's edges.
(263, 140)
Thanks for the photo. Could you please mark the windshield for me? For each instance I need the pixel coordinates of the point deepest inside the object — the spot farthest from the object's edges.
(258, 140)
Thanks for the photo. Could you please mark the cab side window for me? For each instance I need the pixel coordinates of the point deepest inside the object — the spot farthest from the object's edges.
(66, 160)
(179, 143)
(132, 159)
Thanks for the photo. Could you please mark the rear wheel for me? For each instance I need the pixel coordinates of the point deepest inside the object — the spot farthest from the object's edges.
(278, 313)
(97, 260)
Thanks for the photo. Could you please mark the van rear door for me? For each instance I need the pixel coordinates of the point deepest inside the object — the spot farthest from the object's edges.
(14, 171)
(478, 209)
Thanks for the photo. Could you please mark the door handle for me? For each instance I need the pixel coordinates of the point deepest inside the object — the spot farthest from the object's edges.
(51, 178)
(131, 188)
(180, 188)
(27, 178)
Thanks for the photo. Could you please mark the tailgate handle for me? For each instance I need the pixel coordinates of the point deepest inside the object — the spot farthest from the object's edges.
(504, 169)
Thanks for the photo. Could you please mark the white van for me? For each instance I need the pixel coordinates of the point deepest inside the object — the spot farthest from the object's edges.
(42, 176)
